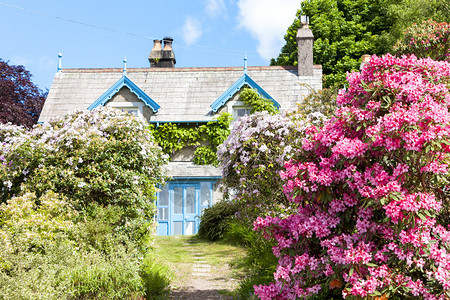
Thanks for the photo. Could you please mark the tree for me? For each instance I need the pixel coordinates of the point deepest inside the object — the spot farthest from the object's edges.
(372, 185)
(20, 100)
(343, 31)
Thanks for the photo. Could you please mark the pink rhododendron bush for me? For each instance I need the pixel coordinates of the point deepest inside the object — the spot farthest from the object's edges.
(373, 191)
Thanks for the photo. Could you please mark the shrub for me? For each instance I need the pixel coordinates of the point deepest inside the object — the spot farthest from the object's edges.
(214, 220)
(320, 103)
(44, 254)
(251, 158)
(104, 156)
(428, 39)
(372, 188)
(77, 205)
(259, 259)
(156, 277)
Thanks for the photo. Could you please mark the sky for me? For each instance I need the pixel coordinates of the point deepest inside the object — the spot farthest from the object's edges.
(101, 33)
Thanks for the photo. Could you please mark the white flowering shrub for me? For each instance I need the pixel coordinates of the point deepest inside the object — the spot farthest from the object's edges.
(254, 154)
(76, 207)
(104, 156)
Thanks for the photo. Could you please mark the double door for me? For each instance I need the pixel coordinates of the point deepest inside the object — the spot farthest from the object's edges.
(180, 205)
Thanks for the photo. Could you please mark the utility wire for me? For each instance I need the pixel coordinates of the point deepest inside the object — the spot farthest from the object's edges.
(215, 49)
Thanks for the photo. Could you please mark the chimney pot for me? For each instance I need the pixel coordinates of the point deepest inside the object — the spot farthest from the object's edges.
(156, 54)
(162, 57)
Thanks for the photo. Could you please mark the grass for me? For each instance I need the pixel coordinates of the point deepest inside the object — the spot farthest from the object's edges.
(177, 252)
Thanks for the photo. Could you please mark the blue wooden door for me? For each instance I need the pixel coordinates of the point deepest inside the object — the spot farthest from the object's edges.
(180, 204)
(184, 209)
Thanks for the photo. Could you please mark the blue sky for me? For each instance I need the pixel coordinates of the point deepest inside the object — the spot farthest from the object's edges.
(99, 33)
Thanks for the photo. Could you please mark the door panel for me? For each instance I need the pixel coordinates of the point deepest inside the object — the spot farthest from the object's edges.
(185, 203)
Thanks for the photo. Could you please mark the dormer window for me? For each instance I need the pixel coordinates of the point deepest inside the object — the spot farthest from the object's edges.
(241, 111)
(131, 110)
(134, 108)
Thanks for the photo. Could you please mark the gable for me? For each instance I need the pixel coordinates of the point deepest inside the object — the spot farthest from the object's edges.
(236, 87)
(115, 89)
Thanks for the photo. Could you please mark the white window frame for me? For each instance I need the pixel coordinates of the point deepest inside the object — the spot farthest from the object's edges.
(236, 106)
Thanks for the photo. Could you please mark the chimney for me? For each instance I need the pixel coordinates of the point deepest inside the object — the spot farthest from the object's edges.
(156, 54)
(162, 58)
(305, 40)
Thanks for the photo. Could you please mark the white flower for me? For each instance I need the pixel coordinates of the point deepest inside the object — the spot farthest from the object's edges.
(263, 148)
(82, 184)
(8, 184)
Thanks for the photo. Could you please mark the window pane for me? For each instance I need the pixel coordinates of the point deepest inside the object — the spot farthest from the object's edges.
(240, 112)
(164, 196)
(163, 213)
(189, 228)
(132, 111)
(178, 200)
(205, 193)
(177, 228)
(190, 200)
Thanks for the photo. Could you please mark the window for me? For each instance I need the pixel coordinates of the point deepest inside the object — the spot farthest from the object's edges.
(131, 110)
(134, 108)
(240, 111)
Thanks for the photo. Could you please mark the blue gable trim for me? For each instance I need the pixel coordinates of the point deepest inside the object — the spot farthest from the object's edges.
(115, 88)
(244, 80)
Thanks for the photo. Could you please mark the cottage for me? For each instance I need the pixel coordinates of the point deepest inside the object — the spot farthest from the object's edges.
(163, 93)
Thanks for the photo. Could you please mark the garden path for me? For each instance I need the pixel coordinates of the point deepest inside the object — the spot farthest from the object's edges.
(201, 269)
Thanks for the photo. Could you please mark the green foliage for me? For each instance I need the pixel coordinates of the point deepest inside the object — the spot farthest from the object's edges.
(156, 277)
(259, 259)
(343, 31)
(214, 220)
(46, 253)
(322, 101)
(115, 276)
(204, 138)
(258, 103)
(428, 39)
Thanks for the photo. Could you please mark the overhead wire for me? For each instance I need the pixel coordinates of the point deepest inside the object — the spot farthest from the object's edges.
(141, 36)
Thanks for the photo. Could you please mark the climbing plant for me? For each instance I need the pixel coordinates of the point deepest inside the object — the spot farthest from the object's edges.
(204, 138)
(258, 103)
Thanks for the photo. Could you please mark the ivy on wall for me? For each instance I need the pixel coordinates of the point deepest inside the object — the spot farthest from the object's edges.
(258, 103)
(204, 138)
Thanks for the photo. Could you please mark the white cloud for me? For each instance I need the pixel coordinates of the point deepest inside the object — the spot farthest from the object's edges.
(215, 7)
(267, 21)
(192, 30)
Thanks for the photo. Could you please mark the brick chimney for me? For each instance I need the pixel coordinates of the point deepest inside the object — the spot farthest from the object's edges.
(305, 40)
(162, 57)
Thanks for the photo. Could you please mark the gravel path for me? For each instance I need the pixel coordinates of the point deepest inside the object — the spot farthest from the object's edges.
(198, 280)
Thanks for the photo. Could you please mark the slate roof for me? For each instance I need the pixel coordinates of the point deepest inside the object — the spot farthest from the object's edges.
(183, 94)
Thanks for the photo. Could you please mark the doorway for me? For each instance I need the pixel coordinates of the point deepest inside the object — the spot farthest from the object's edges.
(180, 205)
